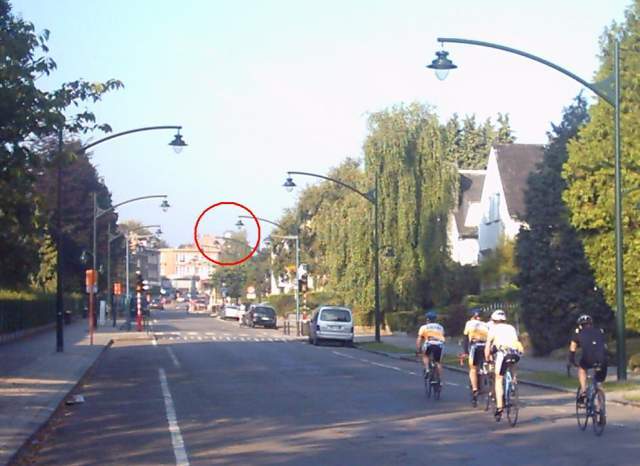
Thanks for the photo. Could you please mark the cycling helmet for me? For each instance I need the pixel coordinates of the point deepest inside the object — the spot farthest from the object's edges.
(431, 315)
(476, 312)
(498, 315)
(584, 319)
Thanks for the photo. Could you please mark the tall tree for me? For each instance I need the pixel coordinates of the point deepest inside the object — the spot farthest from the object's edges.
(27, 115)
(590, 175)
(555, 279)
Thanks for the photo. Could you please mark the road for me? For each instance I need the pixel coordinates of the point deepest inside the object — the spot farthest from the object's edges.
(219, 394)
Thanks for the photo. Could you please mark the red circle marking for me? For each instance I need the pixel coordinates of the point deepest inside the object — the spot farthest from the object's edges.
(226, 264)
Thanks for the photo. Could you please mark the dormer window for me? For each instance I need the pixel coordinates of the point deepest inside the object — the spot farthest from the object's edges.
(494, 208)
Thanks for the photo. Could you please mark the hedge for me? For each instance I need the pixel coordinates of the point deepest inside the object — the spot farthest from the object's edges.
(21, 310)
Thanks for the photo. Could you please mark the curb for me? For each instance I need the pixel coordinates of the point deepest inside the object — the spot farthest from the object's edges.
(522, 381)
(26, 444)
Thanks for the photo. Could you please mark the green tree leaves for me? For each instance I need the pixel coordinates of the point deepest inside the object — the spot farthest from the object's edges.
(589, 171)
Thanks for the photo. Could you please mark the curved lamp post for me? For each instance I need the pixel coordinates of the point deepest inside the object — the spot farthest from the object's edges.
(372, 197)
(267, 242)
(177, 143)
(97, 213)
(126, 264)
(609, 91)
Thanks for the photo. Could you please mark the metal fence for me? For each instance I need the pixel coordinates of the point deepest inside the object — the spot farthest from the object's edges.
(22, 314)
(511, 308)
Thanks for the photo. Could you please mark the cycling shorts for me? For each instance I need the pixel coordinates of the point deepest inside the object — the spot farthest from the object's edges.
(600, 368)
(505, 357)
(433, 349)
(476, 354)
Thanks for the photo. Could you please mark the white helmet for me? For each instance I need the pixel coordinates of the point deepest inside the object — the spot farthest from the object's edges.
(498, 315)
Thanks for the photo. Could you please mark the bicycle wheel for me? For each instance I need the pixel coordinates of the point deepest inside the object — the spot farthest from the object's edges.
(512, 402)
(581, 412)
(437, 387)
(491, 394)
(599, 412)
(427, 384)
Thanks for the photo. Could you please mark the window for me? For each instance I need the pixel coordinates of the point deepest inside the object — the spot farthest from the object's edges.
(494, 208)
(335, 315)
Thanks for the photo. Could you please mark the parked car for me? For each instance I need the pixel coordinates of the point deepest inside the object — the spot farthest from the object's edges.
(231, 311)
(182, 306)
(331, 323)
(156, 303)
(200, 303)
(260, 315)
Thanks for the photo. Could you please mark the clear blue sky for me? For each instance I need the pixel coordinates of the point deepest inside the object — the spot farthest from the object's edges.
(262, 87)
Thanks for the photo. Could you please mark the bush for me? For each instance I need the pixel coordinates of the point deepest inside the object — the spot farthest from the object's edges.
(21, 310)
(403, 321)
(453, 318)
(286, 303)
(634, 363)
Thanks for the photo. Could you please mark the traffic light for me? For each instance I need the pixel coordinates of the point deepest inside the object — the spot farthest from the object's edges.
(303, 283)
(139, 283)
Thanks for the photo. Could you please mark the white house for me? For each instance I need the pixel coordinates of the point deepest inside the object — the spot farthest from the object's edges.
(464, 220)
(483, 218)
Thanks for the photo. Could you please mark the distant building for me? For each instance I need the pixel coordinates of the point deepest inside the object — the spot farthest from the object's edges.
(185, 266)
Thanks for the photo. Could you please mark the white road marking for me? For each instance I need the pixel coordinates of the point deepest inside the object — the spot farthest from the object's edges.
(412, 373)
(255, 339)
(173, 357)
(452, 384)
(192, 333)
(176, 437)
(385, 366)
(209, 333)
(214, 338)
(155, 342)
(200, 338)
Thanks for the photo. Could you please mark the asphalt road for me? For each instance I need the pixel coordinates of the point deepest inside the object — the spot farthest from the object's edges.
(216, 393)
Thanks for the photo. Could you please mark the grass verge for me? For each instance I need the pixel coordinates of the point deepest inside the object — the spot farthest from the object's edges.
(549, 378)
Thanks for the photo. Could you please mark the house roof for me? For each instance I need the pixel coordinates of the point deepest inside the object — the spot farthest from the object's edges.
(471, 182)
(515, 162)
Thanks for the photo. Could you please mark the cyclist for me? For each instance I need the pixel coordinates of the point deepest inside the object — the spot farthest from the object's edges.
(594, 352)
(475, 337)
(502, 340)
(430, 342)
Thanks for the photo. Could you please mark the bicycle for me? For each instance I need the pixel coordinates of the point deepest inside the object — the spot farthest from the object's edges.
(482, 374)
(593, 405)
(432, 383)
(490, 385)
(511, 398)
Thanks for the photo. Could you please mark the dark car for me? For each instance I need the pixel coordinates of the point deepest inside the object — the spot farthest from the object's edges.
(156, 303)
(261, 315)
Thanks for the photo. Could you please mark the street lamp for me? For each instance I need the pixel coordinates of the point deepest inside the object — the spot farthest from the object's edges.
(267, 242)
(97, 213)
(609, 91)
(126, 268)
(176, 143)
(372, 197)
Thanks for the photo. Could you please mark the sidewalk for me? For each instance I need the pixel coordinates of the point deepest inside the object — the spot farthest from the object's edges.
(541, 372)
(35, 379)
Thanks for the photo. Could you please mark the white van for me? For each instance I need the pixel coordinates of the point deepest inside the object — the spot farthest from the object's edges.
(331, 323)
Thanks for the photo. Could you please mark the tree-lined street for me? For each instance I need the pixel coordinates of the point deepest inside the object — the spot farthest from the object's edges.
(246, 396)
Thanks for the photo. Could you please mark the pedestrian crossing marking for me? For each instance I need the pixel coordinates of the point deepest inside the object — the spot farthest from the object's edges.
(212, 336)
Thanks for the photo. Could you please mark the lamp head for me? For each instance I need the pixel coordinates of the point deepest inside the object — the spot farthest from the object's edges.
(289, 184)
(442, 65)
(178, 143)
(239, 224)
(165, 205)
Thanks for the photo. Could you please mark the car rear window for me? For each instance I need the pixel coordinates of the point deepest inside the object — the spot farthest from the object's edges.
(335, 315)
(265, 311)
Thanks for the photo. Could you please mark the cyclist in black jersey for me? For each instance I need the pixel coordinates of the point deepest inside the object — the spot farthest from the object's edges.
(594, 351)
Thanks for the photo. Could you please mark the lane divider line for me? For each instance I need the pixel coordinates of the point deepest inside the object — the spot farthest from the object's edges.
(177, 441)
(173, 357)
